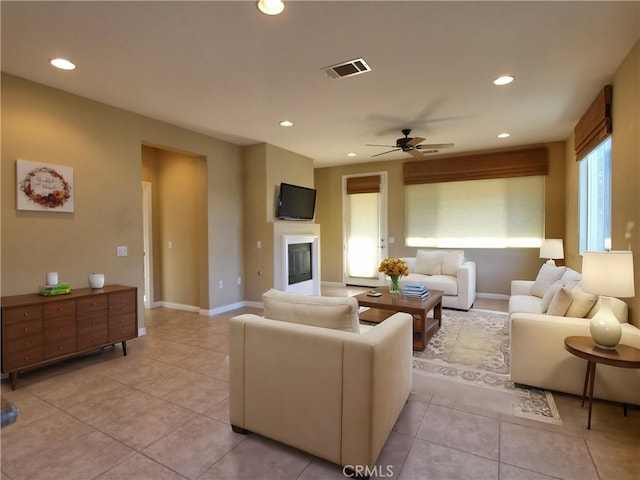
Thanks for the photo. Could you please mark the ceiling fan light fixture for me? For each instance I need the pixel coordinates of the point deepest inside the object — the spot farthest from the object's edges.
(271, 7)
(62, 64)
(504, 135)
(504, 80)
(286, 123)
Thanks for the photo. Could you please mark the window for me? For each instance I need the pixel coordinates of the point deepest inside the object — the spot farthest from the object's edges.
(595, 199)
(491, 213)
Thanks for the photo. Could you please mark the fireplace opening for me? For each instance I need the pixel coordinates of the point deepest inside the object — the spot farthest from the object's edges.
(300, 269)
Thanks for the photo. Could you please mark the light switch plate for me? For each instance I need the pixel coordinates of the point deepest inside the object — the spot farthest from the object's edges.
(121, 251)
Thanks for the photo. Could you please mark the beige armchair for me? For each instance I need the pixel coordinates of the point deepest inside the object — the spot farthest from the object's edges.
(332, 393)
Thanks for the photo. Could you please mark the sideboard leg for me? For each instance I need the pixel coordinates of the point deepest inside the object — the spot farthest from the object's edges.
(124, 347)
(14, 380)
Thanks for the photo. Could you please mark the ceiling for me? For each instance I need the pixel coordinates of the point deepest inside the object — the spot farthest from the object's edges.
(226, 70)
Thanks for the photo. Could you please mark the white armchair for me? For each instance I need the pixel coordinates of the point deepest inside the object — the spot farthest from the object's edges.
(445, 270)
(332, 393)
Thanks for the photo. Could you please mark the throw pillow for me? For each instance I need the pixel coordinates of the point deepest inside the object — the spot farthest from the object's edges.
(549, 294)
(428, 262)
(582, 303)
(338, 313)
(547, 276)
(570, 278)
(451, 261)
(560, 303)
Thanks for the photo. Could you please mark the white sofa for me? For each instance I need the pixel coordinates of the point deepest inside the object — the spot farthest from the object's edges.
(312, 380)
(538, 356)
(445, 270)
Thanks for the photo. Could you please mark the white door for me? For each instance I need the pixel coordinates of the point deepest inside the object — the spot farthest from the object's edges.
(148, 244)
(365, 228)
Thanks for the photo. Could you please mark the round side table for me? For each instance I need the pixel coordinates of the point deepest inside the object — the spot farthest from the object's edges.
(624, 356)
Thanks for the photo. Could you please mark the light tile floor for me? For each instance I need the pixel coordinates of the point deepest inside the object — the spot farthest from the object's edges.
(162, 413)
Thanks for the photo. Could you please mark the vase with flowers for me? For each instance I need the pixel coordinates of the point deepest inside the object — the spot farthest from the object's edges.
(394, 268)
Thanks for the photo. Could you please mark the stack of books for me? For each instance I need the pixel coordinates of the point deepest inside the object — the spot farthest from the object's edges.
(415, 291)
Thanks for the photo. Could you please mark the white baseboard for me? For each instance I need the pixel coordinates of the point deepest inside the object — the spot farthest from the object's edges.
(177, 306)
(332, 284)
(492, 296)
(142, 332)
(222, 309)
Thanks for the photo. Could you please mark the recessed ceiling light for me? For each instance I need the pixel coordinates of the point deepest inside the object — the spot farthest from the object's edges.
(504, 135)
(504, 80)
(352, 154)
(62, 63)
(271, 7)
(286, 123)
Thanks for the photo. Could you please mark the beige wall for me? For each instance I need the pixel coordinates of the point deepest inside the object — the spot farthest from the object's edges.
(265, 167)
(103, 146)
(625, 165)
(179, 216)
(496, 267)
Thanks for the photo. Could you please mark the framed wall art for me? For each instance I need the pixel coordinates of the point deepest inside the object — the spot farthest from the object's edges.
(44, 187)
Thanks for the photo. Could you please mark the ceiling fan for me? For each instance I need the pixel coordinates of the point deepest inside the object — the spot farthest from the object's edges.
(411, 145)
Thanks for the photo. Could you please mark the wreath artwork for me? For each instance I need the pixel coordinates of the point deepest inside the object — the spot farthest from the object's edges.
(44, 187)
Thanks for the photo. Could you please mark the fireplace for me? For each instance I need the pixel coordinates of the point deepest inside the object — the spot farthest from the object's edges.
(299, 270)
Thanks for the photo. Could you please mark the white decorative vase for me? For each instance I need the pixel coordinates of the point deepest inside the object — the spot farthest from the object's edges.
(604, 326)
(96, 280)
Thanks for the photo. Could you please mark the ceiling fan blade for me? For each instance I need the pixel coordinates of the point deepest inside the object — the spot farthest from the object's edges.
(415, 141)
(416, 153)
(378, 154)
(373, 145)
(434, 146)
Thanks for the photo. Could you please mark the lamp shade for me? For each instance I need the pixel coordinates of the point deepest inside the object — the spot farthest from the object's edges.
(608, 273)
(551, 248)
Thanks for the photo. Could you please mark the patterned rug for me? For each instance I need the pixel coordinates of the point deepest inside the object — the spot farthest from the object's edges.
(473, 347)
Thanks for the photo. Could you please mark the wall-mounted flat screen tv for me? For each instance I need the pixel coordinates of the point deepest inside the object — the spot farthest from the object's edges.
(296, 202)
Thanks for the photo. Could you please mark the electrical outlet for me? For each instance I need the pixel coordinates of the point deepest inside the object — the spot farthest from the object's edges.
(220, 284)
(259, 244)
(239, 280)
(121, 251)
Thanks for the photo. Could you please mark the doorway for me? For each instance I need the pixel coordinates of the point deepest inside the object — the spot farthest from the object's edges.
(365, 228)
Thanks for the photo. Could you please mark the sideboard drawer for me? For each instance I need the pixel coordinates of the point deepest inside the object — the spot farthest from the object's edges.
(89, 305)
(122, 333)
(17, 355)
(92, 324)
(13, 315)
(59, 328)
(24, 329)
(93, 340)
(60, 347)
(122, 302)
(59, 309)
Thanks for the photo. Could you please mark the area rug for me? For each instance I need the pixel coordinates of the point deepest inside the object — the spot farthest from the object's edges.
(473, 347)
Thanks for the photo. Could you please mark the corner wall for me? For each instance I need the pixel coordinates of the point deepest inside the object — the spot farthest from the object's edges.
(103, 146)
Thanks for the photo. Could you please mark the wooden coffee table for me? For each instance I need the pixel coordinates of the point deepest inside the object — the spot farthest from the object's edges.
(424, 327)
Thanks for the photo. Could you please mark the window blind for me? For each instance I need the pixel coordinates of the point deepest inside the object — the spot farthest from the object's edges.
(494, 213)
(516, 163)
(595, 124)
(368, 184)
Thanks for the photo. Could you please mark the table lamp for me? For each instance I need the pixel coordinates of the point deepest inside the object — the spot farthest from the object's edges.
(609, 274)
(551, 248)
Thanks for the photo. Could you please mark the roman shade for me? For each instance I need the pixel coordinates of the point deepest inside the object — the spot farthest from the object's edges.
(368, 184)
(595, 124)
(516, 163)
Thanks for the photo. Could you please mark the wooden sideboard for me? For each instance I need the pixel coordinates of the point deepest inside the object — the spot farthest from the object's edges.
(37, 330)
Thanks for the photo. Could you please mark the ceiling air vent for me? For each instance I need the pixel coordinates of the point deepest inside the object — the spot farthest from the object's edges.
(348, 69)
